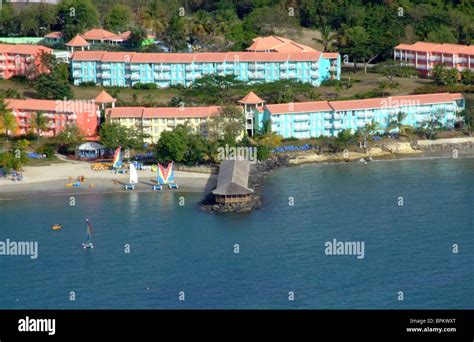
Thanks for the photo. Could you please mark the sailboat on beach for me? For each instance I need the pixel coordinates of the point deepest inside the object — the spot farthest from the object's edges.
(133, 178)
(88, 243)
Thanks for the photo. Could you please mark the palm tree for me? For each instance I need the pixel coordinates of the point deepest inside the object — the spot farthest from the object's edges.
(38, 123)
(369, 130)
(327, 40)
(266, 137)
(154, 18)
(397, 123)
(8, 123)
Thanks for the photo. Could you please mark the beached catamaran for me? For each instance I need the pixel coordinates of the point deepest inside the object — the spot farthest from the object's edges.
(165, 176)
(133, 178)
(88, 243)
(117, 162)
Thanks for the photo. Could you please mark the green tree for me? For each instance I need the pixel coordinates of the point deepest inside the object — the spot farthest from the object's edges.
(69, 138)
(117, 18)
(444, 75)
(76, 16)
(397, 123)
(153, 17)
(172, 145)
(233, 120)
(467, 77)
(38, 124)
(113, 135)
(7, 119)
(175, 35)
(327, 39)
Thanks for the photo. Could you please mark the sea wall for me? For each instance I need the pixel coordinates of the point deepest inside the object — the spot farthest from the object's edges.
(446, 144)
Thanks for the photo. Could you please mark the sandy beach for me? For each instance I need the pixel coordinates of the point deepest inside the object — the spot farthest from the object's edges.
(53, 179)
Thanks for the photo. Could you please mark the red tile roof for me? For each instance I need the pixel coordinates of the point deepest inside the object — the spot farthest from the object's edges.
(55, 34)
(251, 98)
(98, 34)
(124, 112)
(436, 48)
(330, 55)
(299, 107)
(77, 41)
(24, 49)
(394, 101)
(180, 112)
(104, 97)
(277, 44)
(386, 102)
(52, 105)
(216, 57)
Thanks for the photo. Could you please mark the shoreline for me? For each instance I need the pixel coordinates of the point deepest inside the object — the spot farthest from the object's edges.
(105, 182)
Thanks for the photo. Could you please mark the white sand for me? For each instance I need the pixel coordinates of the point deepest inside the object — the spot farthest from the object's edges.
(56, 176)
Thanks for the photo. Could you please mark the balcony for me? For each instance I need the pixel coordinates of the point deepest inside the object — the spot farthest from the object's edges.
(2, 58)
(189, 77)
(134, 67)
(256, 75)
(105, 66)
(327, 116)
(328, 126)
(283, 66)
(163, 77)
(314, 66)
(361, 115)
(337, 125)
(299, 118)
(105, 75)
(301, 128)
(314, 75)
(337, 116)
(162, 67)
(135, 76)
(256, 67)
(360, 124)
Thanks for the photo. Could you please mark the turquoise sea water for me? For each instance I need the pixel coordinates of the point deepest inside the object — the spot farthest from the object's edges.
(177, 248)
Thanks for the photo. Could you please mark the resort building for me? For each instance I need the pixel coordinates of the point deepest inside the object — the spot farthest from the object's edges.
(425, 56)
(301, 119)
(78, 44)
(328, 118)
(52, 38)
(156, 120)
(267, 59)
(59, 114)
(232, 182)
(21, 60)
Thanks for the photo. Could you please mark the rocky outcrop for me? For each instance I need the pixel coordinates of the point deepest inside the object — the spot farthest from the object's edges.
(257, 174)
(399, 147)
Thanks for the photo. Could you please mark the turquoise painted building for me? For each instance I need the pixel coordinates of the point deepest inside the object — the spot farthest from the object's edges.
(167, 69)
(328, 118)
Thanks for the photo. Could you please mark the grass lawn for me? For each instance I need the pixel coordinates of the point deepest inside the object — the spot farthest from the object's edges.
(44, 162)
(123, 94)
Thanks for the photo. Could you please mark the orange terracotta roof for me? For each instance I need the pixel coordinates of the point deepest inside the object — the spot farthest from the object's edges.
(125, 57)
(24, 49)
(331, 55)
(202, 57)
(125, 112)
(98, 34)
(55, 34)
(251, 98)
(88, 55)
(299, 107)
(77, 41)
(120, 37)
(395, 101)
(183, 112)
(387, 102)
(436, 48)
(277, 44)
(104, 97)
(51, 105)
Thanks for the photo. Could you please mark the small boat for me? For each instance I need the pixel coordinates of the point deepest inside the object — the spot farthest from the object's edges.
(88, 243)
(56, 226)
(133, 178)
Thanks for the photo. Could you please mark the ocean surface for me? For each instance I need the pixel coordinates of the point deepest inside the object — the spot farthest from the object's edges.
(179, 252)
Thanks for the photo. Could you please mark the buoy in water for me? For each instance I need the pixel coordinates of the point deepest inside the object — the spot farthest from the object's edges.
(56, 227)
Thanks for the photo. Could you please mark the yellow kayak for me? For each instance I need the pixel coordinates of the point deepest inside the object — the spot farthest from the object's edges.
(56, 227)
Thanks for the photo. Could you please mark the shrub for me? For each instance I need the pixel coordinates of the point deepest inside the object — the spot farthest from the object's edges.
(87, 84)
(139, 85)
